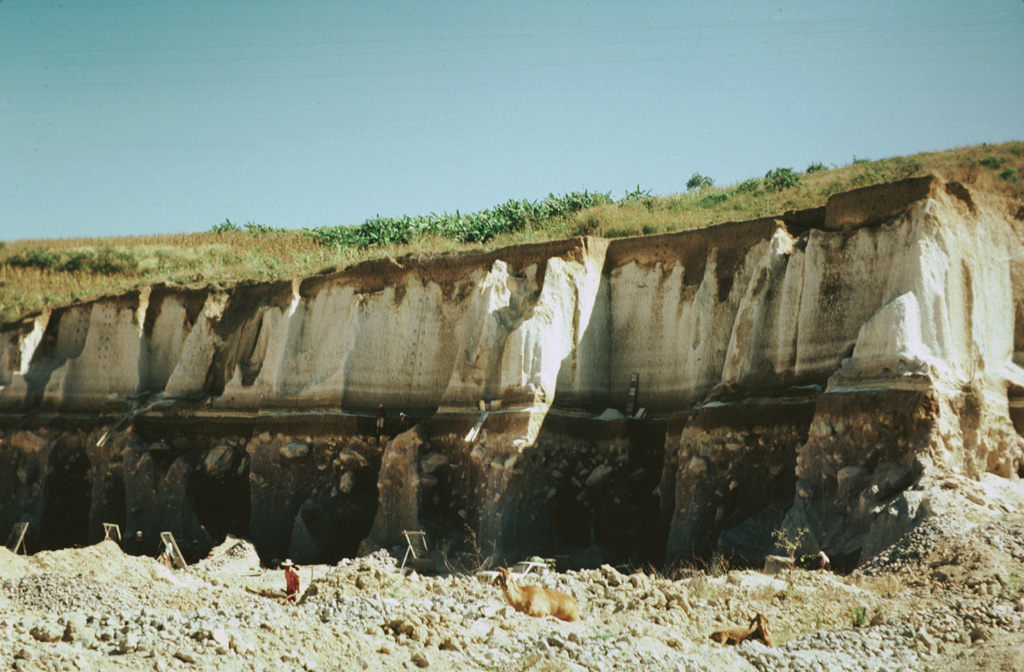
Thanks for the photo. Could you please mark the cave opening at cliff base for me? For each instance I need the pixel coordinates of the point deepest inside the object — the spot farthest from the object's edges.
(222, 503)
(67, 500)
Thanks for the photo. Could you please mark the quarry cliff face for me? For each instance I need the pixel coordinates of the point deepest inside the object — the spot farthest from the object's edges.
(821, 372)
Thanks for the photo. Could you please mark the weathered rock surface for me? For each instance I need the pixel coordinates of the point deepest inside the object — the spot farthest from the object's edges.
(815, 375)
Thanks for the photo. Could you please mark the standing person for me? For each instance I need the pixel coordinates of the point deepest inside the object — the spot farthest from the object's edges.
(291, 580)
(380, 420)
(140, 546)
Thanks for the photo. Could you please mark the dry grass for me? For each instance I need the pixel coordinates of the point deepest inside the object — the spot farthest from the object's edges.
(228, 258)
(887, 585)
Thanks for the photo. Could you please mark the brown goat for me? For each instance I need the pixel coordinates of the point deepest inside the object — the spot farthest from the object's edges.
(758, 629)
(537, 601)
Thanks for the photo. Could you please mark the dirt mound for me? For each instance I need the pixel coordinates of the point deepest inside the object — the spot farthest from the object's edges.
(363, 612)
(234, 556)
(1005, 654)
(104, 561)
(374, 573)
(11, 565)
(910, 551)
(944, 554)
(988, 555)
(54, 592)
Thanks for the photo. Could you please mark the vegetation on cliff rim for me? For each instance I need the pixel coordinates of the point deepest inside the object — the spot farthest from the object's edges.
(40, 274)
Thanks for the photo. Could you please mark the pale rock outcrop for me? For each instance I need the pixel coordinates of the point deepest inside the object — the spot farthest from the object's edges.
(495, 309)
(256, 377)
(673, 307)
(399, 490)
(17, 345)
(828, 366)
(106, 369)
(170, 317)
(76, 358)
(188, 376)
(396, 354)
(924, 390)
(763, 341)
(544, 347)
(321, 336)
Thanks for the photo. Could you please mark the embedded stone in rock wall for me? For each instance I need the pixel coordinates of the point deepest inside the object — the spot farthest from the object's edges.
(850, 481)
(531, 496)
(294, 450)
(341, 506)
(218, 460)
(599, 475)
(200, 494)
(500, 496)
(431, 462)
(278, 485)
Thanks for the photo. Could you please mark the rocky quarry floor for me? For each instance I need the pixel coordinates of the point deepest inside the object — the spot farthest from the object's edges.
(949, 596)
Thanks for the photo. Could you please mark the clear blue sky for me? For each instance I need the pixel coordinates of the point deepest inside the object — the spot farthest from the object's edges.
(145, 116)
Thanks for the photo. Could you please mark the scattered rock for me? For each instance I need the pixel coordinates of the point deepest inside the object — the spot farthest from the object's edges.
(362, 611)
(599, 475)
(184, 656)
(294, 450)
(46, 631)
(431, 462)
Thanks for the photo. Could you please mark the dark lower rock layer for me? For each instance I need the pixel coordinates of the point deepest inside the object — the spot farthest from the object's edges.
(580, 489)
(735, 475)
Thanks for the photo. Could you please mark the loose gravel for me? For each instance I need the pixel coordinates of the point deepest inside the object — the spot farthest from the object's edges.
(942, 598)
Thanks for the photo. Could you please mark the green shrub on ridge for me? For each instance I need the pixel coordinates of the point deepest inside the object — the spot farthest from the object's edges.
(781, 179)
(477, 227)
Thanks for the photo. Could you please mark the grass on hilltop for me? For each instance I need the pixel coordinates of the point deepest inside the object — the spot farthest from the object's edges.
(40, 274)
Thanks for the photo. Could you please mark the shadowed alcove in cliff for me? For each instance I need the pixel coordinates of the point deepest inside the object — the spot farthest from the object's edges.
(111, 508)
(573, 521)
(67, 499)
(220, 495)
(594, 488)
(332, 527)
(442, 498)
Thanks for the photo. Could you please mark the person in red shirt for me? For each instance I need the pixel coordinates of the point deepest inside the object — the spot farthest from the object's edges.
(291, 580)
